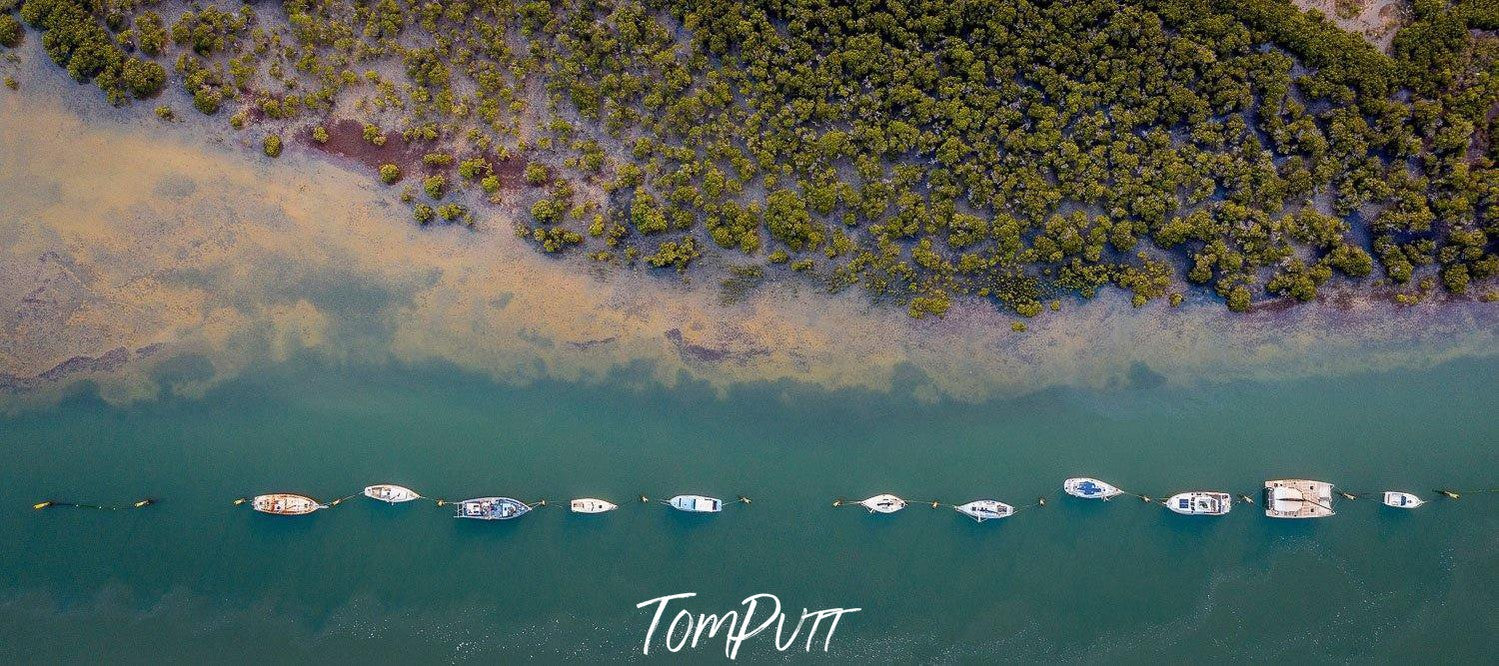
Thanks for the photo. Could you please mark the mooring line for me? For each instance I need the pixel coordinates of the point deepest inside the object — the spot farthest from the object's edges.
(50, 504)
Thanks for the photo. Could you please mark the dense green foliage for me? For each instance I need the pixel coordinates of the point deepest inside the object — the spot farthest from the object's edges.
(10, 31)
(1015, 150)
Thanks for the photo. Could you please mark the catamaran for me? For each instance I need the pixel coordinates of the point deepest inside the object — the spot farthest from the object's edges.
(985, 509)
(389, 493)
(1298, 498)
(885, 503)
(1201, 503)
(591, 505)
(286, 504)
(696, 504)
(1402, 500)
(491, 508)
(1087, 488)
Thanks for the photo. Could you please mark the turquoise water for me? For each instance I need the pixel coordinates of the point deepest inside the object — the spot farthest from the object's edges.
(195, 578)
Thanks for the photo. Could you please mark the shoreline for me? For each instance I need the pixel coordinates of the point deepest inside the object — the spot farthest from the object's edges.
(135, 245)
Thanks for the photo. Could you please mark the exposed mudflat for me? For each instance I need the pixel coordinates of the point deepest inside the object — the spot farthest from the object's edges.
(1374, 20)
(128, 245)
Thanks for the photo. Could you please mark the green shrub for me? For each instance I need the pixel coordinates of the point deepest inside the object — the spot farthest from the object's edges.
(435, 186)
(389, 173)
(422, 213)
(10, 31)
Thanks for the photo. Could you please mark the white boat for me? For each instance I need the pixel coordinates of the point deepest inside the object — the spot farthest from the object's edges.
(985, 509)
(696, 504)
(1201, 503)
(491, 508)
(1401, 500)
(1087, 488)
(286, 504)
(885, 503)
(390, 493)
(591, 505)
(1298, 498)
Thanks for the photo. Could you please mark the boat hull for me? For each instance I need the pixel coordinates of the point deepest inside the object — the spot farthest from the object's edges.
(1087, 488)
(1298, 499)
(883, 504)
(491, 508)
(1201, 503)
(982, 510)
(591, 505)
(1401, 500)
(696, 504)
(391, 494)
(285, 504)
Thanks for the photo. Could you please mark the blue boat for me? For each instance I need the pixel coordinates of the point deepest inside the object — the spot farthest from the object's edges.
(1087, 488)
(491, 508)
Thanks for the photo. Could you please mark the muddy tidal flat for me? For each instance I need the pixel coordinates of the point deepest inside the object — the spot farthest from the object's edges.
(127, 244)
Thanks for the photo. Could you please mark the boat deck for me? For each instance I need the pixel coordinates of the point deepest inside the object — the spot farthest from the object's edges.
(1298, 498)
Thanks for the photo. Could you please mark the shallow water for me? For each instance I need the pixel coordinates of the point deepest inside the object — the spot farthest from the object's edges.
(1075, 580)
(255, 326)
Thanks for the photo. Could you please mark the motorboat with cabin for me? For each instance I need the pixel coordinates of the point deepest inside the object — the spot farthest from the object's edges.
(390, 493)
(1201, 503)
(491, 508)
(1087, 488)
(884, 503)
(696, 504)
(1298, 498)
(591, 505)
(286, 504)
(985, 509)
(1402, 500)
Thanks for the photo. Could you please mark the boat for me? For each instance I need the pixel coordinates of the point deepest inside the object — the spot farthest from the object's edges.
(286, 504)
(885, 503)
(1402, 500)
(985, 509)
(390, 493)
(1298, 498)
(1201, 503)
(1087, 488)
(696, 504)
(491, 508)
(591, 505)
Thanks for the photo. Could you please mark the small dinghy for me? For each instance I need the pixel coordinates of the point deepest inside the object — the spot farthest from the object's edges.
(392, 494)
(985, 509)
(286, 504)
(1201, 503)
(1087, 488)
(1402, 500)
(591, 505)
(696, 504)
(491, 508)
(885, 503)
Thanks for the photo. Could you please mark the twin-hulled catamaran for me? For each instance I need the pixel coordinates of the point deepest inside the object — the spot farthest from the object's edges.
(1298, 498)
